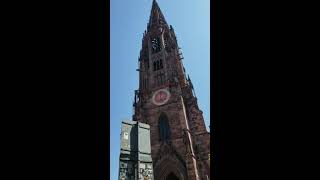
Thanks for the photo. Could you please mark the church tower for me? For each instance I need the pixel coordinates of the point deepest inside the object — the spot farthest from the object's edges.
(180, 142)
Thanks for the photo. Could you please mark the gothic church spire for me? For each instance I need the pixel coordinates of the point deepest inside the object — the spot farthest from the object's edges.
(156, 16)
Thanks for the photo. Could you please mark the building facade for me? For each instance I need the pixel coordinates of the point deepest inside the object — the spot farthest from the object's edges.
(180, 142)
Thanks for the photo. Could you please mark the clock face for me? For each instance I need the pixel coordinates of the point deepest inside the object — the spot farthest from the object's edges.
(160, 97)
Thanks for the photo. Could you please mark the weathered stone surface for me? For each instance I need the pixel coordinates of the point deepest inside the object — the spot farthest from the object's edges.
(186, 154)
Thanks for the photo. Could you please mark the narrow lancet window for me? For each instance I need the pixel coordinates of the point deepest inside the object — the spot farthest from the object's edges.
(164, 128)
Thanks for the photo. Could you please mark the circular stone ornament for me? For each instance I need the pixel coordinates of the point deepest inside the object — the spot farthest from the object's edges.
(160, 97)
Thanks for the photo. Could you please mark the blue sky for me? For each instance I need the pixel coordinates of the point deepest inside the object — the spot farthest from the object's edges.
(129, 18)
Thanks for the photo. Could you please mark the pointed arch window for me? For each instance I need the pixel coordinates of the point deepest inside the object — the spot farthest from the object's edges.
(157, 65)
(166, 42)
(164, 128)
(155, 44)
(154, 66)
